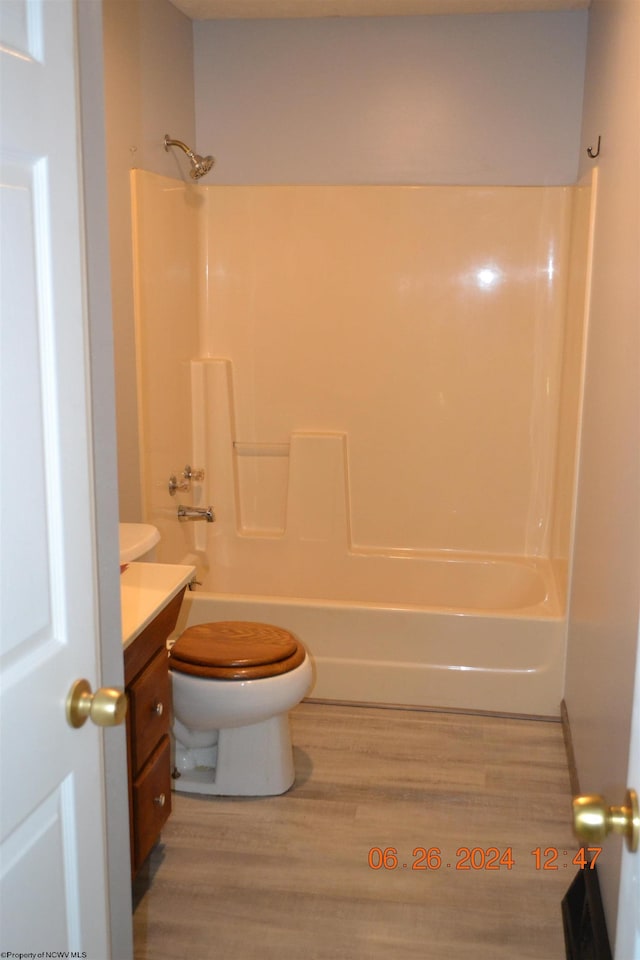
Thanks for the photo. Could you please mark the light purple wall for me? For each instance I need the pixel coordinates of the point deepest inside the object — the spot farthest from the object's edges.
(487, 99)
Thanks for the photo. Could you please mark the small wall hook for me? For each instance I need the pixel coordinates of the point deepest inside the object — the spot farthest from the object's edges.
(591, 152)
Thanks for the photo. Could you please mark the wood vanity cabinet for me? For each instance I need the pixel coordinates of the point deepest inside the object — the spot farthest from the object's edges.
(148, 685)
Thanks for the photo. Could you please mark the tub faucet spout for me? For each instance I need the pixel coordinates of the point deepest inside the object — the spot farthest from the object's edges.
(196, 513)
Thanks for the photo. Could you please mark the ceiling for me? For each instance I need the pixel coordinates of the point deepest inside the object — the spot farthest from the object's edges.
(270, 9)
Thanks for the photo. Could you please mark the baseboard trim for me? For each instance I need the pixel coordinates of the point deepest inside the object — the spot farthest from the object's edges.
(456, 711)
(568, 746)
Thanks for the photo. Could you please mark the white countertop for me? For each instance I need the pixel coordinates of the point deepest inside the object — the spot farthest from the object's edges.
(145, 588)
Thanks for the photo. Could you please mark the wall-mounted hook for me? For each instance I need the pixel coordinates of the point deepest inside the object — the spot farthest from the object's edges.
(593, 154)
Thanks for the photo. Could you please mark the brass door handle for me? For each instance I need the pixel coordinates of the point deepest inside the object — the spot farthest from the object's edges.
(594, 819)
(107, 707)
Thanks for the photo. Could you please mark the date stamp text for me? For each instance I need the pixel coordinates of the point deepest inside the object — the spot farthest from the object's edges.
(480, 858)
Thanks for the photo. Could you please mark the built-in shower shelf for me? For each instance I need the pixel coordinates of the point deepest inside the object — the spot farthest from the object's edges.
(261, 449)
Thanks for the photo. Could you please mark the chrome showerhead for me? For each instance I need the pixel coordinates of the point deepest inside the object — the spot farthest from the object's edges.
(199, 165)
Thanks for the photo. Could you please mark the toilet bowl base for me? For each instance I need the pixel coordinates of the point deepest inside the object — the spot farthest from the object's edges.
(252, 761)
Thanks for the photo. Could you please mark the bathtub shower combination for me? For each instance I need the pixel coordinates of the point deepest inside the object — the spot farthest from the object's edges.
(386, 422)
(400, 653)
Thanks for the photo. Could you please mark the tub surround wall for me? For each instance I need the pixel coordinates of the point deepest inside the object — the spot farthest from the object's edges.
(423, 324)
(381, 369)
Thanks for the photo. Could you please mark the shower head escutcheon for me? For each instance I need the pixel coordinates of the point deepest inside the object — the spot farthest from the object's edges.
(199, 165)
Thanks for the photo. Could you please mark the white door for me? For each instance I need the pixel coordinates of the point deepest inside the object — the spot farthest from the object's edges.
(52, 854)
(628, 929)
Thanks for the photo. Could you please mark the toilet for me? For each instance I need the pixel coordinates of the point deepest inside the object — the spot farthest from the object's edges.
(234, 683)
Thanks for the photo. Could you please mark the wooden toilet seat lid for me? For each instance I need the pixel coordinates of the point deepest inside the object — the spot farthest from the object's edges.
(236, 650)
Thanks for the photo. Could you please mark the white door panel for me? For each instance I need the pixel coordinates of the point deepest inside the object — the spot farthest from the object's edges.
(628, 928)
(52, 854)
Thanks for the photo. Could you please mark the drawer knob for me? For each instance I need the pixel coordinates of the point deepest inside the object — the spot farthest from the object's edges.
(158, 708)
(160, 801)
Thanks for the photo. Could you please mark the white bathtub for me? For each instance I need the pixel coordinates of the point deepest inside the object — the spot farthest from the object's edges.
(450, 632)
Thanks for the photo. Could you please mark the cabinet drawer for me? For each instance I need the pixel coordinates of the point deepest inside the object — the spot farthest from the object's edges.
(152, 800)
(150, 706)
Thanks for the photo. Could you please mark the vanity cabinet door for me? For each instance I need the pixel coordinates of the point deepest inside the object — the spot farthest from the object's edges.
(152, 801)
(150, 705)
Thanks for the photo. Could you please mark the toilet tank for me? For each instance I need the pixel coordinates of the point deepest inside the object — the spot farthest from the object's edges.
(138, 542)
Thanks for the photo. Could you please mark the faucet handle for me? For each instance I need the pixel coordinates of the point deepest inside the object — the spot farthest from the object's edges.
(193, 473)
(184, 485)
(175, 485)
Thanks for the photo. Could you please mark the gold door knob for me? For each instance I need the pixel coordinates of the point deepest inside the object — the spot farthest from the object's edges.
(594, 819)
(107, 707)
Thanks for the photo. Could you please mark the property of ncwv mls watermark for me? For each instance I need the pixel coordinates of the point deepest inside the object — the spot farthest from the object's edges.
(43, 955)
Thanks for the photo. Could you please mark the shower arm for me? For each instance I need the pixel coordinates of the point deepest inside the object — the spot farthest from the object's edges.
(168, 142)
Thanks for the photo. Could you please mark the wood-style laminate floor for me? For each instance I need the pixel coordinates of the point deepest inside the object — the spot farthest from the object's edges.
(288, 878)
